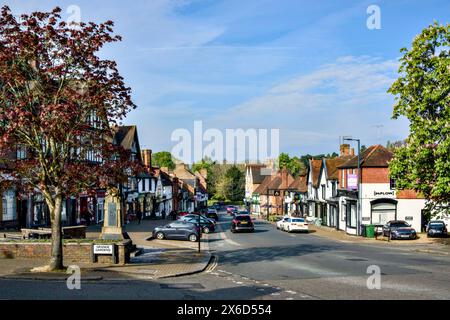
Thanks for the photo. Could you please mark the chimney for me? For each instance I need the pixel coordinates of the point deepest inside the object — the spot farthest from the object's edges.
(147, 158)
(345, 150)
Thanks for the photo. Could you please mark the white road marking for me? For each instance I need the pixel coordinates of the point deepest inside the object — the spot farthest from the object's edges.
(291, 292)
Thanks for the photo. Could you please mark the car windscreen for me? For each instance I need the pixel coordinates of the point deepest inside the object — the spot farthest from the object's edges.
(400, 225)
(243, 218)
(298, 220)
(436, 225)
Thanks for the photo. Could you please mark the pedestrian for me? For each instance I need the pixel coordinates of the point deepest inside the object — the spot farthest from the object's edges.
(139, 216)
(163, 214)
(173, 215)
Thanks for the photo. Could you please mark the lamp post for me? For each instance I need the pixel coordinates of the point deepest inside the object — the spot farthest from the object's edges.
(358, 216)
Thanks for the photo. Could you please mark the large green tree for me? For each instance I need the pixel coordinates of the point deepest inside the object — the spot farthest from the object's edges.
(422, 94)
(163, 159)
(58, 102)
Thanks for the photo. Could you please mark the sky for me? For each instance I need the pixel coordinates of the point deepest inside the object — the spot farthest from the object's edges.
(312, 69)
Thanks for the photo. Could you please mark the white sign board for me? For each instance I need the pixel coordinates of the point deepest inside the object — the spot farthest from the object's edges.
(103, 249)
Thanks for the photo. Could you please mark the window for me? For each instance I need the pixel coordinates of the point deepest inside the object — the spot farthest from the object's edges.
(351, 214)
(21, 153)
(9, 206)
(392, 184)
(323, 191)
(344, 212)
(333, 189)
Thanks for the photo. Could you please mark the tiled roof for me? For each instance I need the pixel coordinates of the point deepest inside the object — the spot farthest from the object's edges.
(256, 174)
(332, 166)
(262, 188)
(275, 182)
(316, 164)
(299, 184)
(374, 156)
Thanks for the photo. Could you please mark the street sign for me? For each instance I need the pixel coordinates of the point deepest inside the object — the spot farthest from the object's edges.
(103, 249)
(277, 193)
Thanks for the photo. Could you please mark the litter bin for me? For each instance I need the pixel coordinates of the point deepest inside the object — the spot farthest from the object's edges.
(363, 230)
(370, 231)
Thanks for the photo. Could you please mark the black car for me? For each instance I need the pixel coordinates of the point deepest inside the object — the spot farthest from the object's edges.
(437, 229)
(242, 223)
(180, 230)
(212, 214)
(206, 224)
(398, 229)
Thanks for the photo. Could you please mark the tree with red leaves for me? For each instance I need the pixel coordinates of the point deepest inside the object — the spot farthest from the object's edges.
(60, 102)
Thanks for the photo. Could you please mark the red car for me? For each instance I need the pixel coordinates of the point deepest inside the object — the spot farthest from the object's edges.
(230, 209)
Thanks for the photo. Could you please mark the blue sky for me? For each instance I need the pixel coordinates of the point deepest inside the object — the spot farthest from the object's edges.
(309, 68)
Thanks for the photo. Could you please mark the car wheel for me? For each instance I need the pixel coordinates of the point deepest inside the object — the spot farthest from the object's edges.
(206, 230)
(391, 237)
(160, 236)
(288, 230)
(193, 238)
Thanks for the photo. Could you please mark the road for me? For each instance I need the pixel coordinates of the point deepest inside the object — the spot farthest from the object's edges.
(271, 264)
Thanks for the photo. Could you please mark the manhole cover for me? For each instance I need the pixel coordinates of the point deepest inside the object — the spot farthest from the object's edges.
(182, 286)
(357, 259)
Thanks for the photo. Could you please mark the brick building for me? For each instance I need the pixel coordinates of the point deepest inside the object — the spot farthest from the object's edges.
(380, 201)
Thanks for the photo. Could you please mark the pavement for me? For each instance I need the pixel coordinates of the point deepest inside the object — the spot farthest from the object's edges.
(155, 259)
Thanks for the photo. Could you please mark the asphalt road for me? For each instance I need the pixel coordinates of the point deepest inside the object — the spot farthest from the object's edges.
(271, 264)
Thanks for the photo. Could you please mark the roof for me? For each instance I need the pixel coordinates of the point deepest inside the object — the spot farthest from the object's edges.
(299, 184)
(262, 188)
(374, 156)
(275, 182)
(256, 173)
(315, 165)
(165, 178)
(332, 166)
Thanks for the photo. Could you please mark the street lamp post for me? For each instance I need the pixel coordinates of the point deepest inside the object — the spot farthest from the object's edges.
(358, 220)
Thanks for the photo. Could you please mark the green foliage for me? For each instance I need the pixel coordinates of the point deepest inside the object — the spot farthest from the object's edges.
(422, 95)
(295, 165)
(363, 148)
(163, 159)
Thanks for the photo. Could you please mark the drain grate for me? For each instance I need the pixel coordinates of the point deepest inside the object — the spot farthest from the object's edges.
(182, 286)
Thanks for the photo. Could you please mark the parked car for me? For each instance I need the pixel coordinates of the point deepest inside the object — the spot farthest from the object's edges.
(399, 229)
(196, 214)
(212, 214)
(207, 225)
(437, 229)
(182, 214)
(295, 224)
(280, 222)
(242, 223)
(179, 230)
(216, 206)
(230, 209)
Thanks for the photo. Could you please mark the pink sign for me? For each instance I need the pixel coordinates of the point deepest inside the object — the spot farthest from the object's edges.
(352, 181)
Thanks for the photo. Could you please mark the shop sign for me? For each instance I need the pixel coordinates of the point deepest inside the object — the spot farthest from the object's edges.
(384, 193)
(352, 181)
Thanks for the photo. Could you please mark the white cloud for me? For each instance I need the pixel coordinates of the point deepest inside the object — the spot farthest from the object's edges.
(312, 110)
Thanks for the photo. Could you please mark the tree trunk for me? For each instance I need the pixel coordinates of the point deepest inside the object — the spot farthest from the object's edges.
(56, 261)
